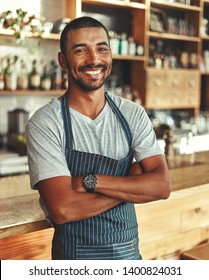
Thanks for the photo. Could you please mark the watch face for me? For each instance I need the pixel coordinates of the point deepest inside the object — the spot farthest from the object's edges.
(90, 181)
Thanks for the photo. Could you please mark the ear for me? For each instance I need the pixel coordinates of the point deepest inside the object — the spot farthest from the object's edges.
(62, 60)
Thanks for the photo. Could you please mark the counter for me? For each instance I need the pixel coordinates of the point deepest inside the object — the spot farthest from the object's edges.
(20, 212)
(19, 207)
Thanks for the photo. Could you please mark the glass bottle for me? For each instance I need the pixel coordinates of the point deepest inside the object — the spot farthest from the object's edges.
(10, 76)
(124, 44)
(131, 46)
(1, 76)
(64, 80)
(56, 76)
(158, 56)
(34, 77)
(22, 78)
(45, 79)
(114, 43)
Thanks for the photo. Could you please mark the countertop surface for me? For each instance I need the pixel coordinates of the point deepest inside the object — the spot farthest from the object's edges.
(19, 205)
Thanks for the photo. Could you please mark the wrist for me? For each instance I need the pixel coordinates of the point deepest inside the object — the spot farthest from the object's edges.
(90, 182)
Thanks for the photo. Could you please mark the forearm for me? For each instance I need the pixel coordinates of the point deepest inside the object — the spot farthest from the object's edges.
(141, 188)
(147, 181)
(86, 205)
(64, 204)
(141, 185)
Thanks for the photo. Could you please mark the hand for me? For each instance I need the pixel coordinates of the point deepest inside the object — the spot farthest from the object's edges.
(135, 169)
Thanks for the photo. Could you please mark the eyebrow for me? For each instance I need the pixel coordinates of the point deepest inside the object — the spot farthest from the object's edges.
(83, 45)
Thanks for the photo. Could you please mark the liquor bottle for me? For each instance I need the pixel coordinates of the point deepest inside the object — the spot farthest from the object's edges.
(10, 76)
(64, 80)
(45, 79)
(1, 76)
(34, 77)
(22, 78)
(56, 76)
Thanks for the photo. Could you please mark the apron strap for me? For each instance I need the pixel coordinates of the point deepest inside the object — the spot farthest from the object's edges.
(120, 118)
(67, 122)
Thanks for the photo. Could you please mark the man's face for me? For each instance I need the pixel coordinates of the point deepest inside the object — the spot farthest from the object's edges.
(89, 59)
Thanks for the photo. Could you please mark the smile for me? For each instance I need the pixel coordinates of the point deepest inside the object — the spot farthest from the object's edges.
(93, 72)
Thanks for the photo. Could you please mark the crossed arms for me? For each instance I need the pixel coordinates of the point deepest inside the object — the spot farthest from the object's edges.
(66, 199)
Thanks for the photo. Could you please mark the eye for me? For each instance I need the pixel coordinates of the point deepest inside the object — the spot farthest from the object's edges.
(80, 51)
(103, 49)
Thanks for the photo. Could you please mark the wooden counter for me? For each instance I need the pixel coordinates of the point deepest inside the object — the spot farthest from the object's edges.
(183, 219)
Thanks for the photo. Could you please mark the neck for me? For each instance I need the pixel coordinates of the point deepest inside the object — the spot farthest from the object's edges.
(88, 103)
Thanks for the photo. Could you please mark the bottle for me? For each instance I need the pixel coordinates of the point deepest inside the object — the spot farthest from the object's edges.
(114, 44)
(22, 78)
(140, 49)
(131, 46)
(34, 77)
(169, 142)
(158, 56)
(56, 76)
(10, 76)
(45, 79)
(64, 80)
(124, 44)
(1, 76)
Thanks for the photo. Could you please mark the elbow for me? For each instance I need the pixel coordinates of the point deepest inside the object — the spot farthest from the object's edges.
(166, 189)
(63, 215)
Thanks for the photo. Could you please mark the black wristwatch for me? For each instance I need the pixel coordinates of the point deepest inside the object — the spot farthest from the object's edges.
(90, 182)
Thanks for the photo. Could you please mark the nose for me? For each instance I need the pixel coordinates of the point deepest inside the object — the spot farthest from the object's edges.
(92, 57)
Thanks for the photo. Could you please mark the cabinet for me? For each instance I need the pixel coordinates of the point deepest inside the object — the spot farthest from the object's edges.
(178, 28)
(172, 70)
(172, 89)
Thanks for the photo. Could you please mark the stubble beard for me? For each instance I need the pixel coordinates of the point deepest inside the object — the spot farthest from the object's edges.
(86, 86)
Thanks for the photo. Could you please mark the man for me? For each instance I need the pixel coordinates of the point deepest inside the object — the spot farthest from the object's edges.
(81, 149)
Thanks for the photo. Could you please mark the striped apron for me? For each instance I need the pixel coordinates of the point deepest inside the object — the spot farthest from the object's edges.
(111, 235)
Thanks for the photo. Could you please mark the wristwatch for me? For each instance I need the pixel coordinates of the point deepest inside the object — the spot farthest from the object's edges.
(90, 182)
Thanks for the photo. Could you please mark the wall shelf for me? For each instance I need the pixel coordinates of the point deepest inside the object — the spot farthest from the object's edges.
(175, 6)
(122, 4)
(170, 36)
(51, 36)
(31, 92)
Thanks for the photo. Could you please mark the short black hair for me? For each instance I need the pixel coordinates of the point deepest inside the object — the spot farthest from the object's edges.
(78, 23)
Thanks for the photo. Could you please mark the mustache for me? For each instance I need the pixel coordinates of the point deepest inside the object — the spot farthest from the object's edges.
(103, 66)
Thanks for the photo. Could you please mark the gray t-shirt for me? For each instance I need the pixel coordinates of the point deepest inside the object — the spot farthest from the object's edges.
(103, 135)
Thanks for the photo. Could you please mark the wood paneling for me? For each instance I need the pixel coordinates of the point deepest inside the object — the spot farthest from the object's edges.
(31, 246)
(167, 228)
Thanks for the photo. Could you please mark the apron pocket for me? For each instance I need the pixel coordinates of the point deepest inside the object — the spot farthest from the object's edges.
(120, 251)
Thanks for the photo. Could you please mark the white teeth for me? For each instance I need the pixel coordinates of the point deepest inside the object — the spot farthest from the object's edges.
(93, 72)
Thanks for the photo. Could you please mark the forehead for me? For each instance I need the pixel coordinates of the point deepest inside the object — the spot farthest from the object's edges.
(88, 35)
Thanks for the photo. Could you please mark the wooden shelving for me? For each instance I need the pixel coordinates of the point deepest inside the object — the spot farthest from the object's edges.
(169, 36)
(140, 13)
(174, 5)
(115, 3)
(50, 36)
(32, 92)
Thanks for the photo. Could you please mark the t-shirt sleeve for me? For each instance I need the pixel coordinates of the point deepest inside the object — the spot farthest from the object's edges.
(46, 151)
(144, 142)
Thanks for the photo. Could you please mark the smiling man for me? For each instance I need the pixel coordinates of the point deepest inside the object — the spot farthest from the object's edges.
(81, 148)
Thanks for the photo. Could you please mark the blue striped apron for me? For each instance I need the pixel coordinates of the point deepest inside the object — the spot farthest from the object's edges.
(112, 235)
